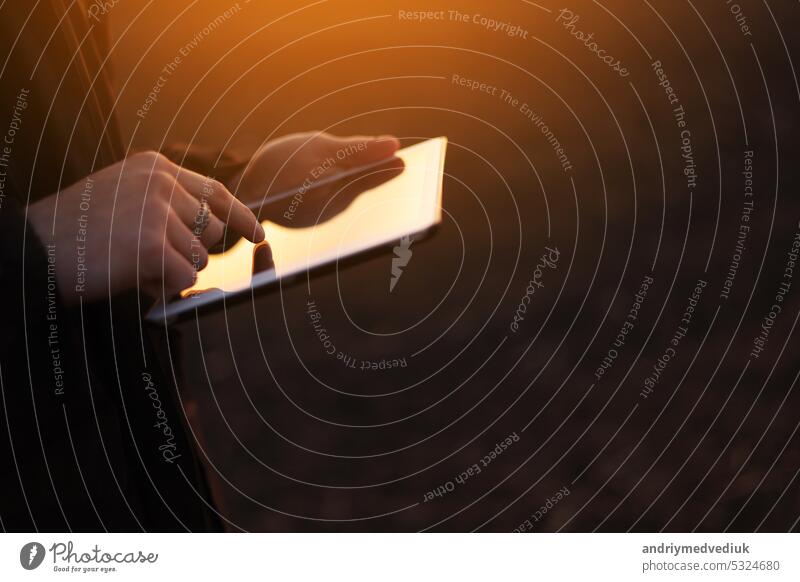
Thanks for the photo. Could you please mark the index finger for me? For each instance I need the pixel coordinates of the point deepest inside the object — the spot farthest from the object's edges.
(223, 204)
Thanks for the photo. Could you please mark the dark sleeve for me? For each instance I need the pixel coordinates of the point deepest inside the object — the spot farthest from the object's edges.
(91, 438)
(83, 446)
(48, 440)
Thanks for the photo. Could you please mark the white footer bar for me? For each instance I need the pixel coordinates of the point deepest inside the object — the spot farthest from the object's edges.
(401, 557)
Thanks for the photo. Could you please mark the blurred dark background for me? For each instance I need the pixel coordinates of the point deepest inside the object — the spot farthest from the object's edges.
(295, 440)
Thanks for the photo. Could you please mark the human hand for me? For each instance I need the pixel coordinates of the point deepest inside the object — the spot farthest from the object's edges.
(300, 159)
(138, 223)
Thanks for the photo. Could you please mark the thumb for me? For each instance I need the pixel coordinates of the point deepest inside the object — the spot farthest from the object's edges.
(358, 150)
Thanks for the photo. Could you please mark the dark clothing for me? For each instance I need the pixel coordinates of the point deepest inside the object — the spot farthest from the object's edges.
(92, 434)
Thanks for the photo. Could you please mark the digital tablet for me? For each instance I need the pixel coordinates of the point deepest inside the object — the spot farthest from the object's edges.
(321, 224)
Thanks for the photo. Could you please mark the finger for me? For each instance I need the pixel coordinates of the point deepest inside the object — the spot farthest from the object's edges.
(225, 206)
(186, 242)
(213, 232)
(262, 258)
(358, 150)
(179, 274)
(188, 208)
(167, 275)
